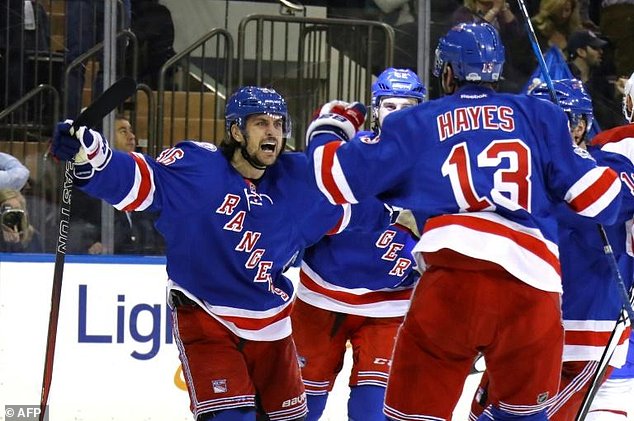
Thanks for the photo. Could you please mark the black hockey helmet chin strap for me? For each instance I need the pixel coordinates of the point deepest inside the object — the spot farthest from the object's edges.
(254, 162)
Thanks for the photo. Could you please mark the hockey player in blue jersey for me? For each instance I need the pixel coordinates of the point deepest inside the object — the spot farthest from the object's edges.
(233, 218)
(356, 287)
(613, 401)
(484, 170)
(591, 302)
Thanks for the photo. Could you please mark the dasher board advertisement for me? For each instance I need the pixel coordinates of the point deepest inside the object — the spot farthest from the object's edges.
(115, 357)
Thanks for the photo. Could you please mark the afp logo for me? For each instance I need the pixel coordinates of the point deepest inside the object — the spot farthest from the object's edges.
(370, 140)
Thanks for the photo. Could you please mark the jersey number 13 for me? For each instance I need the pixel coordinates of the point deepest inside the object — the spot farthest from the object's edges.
(513, 179)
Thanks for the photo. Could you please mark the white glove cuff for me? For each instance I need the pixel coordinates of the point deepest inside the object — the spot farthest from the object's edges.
(98, 152)
(333, 124)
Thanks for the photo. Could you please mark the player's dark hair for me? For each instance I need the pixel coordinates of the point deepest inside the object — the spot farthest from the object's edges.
(228, 145)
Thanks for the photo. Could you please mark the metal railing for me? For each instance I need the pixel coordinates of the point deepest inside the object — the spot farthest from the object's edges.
(200, 73)
(312, 60)
(29, 143)
(31, 94)
(303, 58)
(91, 54)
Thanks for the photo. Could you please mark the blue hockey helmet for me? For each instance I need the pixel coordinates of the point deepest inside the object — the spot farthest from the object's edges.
(250, 100)
(573, 99)
(402, 83)
(474, 50)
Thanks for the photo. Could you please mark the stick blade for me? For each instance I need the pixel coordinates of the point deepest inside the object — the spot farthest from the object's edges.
(121, 90)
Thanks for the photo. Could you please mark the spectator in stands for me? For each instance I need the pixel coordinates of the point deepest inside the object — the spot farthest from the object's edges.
(616, 22)
(402, 16)
(496, 12)
(13, 174)
(18, 235)
(153, 26)
(555, 21)
(517, 67)
(585, 54)
(84, 29)
(134, 232)
(24, 34)
(584, 13)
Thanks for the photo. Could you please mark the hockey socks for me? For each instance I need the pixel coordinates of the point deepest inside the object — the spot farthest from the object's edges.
(316, 405)
(366, 403)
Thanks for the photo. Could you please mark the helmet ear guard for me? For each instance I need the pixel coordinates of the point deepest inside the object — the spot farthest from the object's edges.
(474, 50)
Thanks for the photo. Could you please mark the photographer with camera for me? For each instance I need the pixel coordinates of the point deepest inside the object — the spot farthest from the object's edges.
(18, 236)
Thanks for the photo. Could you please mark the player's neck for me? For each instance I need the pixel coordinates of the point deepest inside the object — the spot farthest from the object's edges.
(245, 169)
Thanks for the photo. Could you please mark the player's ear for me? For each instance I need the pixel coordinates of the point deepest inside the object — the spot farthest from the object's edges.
(448, 82)
(236, 133)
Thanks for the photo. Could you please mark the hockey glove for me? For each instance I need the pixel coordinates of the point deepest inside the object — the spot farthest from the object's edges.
(88, 148)
(338, 118)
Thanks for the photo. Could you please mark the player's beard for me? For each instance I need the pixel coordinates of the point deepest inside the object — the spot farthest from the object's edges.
(252, 158)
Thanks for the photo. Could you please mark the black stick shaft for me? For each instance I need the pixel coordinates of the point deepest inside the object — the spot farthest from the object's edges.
(90, 117)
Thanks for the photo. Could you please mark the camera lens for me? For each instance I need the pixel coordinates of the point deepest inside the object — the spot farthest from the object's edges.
(12, 218)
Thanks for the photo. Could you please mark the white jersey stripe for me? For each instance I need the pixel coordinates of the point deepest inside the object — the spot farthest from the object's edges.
(359, 301)
(527, 264)
(624, 147)
(318, 158)
(592, 185)
(603, 201)
(341, 182)
(247, 324)
(146, 195)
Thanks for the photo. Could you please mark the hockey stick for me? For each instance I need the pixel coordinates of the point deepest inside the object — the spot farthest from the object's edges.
(625, 296)
(91, 116)
(597, 378)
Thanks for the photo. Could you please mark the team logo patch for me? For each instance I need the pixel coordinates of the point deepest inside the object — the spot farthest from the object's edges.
(255, 198)
(542, 397)
(370, 140)
(220, 386)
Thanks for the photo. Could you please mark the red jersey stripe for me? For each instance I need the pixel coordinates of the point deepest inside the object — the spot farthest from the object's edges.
(247, 323)
(354, 299)
(328, 158)
(594, 192)
(144, 186)
(589, 338)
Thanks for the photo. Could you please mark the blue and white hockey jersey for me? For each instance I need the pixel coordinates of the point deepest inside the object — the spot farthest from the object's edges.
(591, 302)
(368, 274)
(228, 240)
(484, 170)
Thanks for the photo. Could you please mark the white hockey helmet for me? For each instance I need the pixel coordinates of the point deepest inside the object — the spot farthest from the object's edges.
(628, 97)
